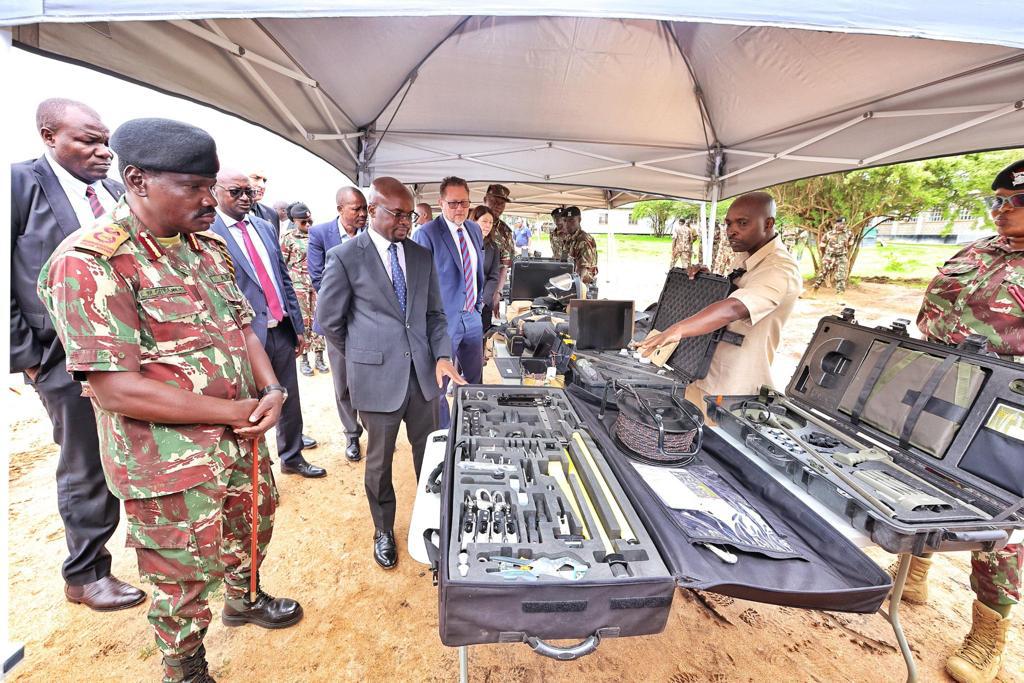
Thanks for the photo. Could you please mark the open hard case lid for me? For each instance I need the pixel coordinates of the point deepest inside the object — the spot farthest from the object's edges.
(956, 413)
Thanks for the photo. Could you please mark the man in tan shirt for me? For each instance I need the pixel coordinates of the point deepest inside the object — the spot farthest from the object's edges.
(758, 309)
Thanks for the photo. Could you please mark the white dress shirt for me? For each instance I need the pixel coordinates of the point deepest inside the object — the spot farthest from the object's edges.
(382, 244)
(453, 229)
(75, 190)
(261, 249)
(345, 237)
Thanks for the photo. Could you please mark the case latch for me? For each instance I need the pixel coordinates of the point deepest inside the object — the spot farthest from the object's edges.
(849, 315)
(975, 343)
(900, 325)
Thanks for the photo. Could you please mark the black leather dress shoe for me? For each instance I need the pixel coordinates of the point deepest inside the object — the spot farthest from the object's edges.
(352, 451)
(106, 595)
(308, 443)
(304, 468)
(384, 550)
(266, 611)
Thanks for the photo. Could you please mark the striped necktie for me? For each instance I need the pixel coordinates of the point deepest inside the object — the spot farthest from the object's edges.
(94, 201)
(468, 276)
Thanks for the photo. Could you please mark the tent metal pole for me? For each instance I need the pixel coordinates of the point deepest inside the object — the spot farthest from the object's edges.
(716, 189)
(704, 234)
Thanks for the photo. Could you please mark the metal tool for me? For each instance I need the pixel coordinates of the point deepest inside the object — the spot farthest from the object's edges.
(493, 469)
(584, 497)
(606, 492)
(565, 567)
(556, 472)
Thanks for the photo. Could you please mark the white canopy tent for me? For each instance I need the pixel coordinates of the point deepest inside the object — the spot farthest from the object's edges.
(636, 99)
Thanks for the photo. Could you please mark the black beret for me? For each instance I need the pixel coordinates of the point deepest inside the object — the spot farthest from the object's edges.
(298, 210)
(572, 211)
(559, 212)
(1011, 177)
(166, 145)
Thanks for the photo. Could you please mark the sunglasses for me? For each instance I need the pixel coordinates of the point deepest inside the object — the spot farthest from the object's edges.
(996, 202)
(455, 205)
(401, 215)
(237, 192)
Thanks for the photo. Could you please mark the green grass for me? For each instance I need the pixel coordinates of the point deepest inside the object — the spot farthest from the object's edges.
(894, 261)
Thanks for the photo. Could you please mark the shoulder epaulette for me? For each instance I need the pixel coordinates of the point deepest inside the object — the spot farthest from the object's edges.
(101, 238)
(220, 244)
(210, 235)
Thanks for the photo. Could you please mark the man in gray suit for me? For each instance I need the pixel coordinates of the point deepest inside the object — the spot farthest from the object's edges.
(381, 306)
(51, 197)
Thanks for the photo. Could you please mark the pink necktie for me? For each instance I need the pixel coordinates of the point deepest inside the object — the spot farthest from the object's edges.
(273, 303)
(94, 201)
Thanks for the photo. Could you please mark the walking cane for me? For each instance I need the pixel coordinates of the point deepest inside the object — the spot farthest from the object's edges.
(254, 535)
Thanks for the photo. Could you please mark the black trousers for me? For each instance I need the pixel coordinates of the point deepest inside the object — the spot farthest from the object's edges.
(89, 510)
(382, 430)
(280, 348)
(349, 418)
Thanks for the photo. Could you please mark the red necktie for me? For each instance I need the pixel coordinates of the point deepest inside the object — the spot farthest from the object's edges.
(266, 284)
(94, 201)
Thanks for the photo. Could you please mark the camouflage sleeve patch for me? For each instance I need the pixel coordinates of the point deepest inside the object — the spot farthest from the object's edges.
(102, 239)
(94, 311)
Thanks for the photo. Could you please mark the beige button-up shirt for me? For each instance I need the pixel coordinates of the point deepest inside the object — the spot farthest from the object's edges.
(768, 289)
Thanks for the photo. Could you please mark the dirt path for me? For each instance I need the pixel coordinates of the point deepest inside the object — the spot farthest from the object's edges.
(363, 624)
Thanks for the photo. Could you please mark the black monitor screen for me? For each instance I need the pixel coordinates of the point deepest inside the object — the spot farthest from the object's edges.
(530, 277)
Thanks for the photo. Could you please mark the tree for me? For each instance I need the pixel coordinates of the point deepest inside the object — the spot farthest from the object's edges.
(661, 211)
(965, 181)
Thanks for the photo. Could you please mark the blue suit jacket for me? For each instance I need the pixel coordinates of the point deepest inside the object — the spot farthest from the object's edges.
(250, 284)
(436, 237)
(322, 238)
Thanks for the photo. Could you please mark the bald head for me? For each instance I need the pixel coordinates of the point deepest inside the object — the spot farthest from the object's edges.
(52, 112)
(391, 205)
(426, 213)
(750, 222)
(351, 209)
(347, 194)
(234, 193)
(77, 139)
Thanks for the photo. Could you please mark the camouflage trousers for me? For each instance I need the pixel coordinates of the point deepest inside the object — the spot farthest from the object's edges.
(995, 576)
(307, 304)
(683, 255)
(837, 268)
(188, 542)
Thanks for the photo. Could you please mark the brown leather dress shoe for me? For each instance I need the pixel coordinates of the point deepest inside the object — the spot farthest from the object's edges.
(106, 595)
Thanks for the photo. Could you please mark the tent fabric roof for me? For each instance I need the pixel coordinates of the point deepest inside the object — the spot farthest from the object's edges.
(661, 105)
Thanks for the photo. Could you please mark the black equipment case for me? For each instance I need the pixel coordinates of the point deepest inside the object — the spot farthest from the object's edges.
(919, 445)
(505, 439)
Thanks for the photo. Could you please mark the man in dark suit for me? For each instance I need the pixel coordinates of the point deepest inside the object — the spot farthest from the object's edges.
(51, 197)
(258, 180)
(457, 247)
(380, 304)
(263, 277)
(350, 222)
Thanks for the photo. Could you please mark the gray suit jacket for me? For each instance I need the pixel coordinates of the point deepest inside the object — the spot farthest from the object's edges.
(41, 217)
(359, 313)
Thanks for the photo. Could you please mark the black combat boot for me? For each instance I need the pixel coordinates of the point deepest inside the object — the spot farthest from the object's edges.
(304, 366)
(320, 364)
(191, 669)
(266, 611)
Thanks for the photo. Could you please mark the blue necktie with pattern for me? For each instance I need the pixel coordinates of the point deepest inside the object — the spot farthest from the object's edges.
(397, 276)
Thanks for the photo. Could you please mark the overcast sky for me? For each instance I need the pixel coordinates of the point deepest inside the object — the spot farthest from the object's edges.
(294, 173)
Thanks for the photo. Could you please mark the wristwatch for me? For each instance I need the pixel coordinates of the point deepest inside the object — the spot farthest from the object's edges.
(274, 387)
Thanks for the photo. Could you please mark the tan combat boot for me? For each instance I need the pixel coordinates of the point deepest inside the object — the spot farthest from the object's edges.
(915, 590)
(979, 658)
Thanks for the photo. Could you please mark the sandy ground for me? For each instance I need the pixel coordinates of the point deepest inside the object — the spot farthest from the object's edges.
(363, 624)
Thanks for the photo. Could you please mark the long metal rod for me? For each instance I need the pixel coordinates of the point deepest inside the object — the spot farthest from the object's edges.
(893, 615)
(464, 664)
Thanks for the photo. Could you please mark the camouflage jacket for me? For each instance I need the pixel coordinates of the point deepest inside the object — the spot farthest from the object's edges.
(582, 249)
(122, 302)
(837, 243)
(683, 237)
(557, 245)
(502, 237)
(294, 245)
(978, 291)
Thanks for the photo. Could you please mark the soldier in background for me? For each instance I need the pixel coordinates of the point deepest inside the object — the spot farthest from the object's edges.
(501, 235)
(835, 259)
(794, 239)
(722, 260)
(146, 304)
(556, 236)
(294, 247)
(683, 236)
(580, 247)
(980, 290)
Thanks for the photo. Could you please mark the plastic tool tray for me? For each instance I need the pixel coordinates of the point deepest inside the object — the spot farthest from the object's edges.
(591, 551)
(919, 445)
(680, 298)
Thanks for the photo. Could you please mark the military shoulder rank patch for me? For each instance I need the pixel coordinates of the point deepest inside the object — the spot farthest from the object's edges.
(103, 239)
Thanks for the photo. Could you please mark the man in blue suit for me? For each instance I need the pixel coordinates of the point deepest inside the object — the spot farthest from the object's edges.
(350, 222)
(457, 246)
(263, 277)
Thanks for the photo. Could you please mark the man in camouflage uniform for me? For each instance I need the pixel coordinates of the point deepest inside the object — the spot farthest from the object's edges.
(835, 259)
(501, 235)
(145, 302)
(580, 247)
(294, 246)
(683, 236)
(793, 240)
(557, 237)
(981, 291)
(721, 263)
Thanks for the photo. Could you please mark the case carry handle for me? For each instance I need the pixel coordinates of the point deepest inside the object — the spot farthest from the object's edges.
(565, 654)
(996, 537)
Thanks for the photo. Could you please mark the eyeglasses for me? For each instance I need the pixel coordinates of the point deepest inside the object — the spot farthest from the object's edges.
(402, 215)
(236, 192)
(996, 202)
(464, 204)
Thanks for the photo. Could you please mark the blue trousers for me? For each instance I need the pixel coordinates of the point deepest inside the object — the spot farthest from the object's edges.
(468, 355)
